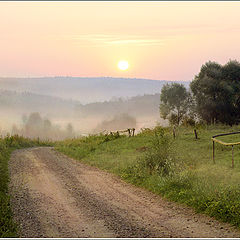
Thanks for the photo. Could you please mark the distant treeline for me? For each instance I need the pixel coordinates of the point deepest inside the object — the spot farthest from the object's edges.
(134, 112)
(139, 106)
(34, 126)
(26, 102)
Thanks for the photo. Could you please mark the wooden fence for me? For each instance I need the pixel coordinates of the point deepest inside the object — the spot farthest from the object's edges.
(130, 131)
(225, 144)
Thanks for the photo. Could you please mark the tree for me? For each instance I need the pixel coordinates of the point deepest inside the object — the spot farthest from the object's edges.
(33, 124)
(175, 101)
(216, 91)
(69, 130)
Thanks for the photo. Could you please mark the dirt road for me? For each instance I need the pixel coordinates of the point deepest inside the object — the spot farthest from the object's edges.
(56, 196)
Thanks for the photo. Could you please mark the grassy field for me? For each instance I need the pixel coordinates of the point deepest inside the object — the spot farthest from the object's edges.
(7, 227)
(181, 170)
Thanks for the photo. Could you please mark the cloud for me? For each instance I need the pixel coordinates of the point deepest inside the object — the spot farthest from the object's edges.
(110, 39)
(141, 42)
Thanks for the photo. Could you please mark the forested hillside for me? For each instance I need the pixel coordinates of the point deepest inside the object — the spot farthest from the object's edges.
(85, 118)
(83, 89)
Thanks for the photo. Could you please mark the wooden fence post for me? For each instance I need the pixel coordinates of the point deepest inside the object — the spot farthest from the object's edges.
(195, 132)
(174, 132)
(133, 130)
(232, 158)
(213, 152)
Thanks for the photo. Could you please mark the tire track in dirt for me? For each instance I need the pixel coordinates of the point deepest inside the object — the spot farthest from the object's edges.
(56, 196)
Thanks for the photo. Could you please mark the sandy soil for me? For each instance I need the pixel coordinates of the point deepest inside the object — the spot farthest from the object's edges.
(56, 196)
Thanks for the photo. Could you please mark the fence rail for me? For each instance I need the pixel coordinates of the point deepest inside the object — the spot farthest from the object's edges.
(225, 144)
(130, 131)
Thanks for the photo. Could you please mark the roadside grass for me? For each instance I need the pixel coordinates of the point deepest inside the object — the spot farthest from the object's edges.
(7, 226)
(181, 170)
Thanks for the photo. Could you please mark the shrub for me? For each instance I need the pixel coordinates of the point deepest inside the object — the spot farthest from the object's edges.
(158, 158)
(188, 121)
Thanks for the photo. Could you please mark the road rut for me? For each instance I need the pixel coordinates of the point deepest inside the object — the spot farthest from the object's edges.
(56, 196)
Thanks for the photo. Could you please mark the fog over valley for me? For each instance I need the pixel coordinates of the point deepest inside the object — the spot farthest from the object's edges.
(65, 107)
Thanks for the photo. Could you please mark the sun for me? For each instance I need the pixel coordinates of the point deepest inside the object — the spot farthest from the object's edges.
(123, 65)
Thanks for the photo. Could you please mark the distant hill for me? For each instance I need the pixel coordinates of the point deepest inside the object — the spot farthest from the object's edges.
(26, 102)
(138, 106)
(85, 90)
(87, 103)
(144, 109)
(84, 117)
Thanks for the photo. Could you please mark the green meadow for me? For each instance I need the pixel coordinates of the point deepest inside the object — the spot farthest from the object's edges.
(179, 169)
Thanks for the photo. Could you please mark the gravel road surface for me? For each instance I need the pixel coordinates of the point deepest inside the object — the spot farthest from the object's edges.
(56, 196)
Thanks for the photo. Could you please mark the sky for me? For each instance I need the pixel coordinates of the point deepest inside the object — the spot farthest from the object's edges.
(159, 40)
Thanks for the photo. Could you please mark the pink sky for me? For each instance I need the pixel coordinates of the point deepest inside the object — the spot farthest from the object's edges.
(160, 40)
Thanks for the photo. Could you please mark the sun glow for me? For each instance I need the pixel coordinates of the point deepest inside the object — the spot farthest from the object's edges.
(123, 65)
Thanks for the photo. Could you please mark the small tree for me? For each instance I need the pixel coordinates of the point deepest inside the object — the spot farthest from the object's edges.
(175, 102)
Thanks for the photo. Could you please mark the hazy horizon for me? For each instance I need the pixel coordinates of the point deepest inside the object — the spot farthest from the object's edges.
(85, 90)
(85, 77)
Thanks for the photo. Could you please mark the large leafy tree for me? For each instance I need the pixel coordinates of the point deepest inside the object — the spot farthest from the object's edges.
(216, 90)
(175, 101)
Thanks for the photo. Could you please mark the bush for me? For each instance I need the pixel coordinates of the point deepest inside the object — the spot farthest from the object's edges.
(188, 121)
(158, 158)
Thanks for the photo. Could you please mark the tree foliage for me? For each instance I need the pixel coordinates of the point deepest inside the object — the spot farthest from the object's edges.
(175, 101)
(216, 90)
